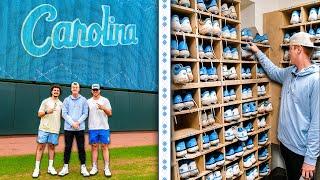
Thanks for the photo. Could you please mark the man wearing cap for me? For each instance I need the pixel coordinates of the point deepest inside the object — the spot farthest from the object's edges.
(299, 117)
(99, 133)
(74, 112)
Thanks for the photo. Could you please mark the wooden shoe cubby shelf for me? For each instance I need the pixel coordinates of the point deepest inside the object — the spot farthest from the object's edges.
(188, 123)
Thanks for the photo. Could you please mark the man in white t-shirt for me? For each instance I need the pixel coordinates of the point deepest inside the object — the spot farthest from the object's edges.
(99, 133)
(48, 133)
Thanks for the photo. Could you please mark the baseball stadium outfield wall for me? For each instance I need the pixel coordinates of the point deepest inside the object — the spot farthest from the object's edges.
(20, 101)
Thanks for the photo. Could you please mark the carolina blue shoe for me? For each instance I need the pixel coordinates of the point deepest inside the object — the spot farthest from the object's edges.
(262, 139)
(227, 53)
(174, 1)
(258, 38)
(178, 103)
(286, 38)
(201, 6)
(213, 7)
(174, 48)
(181, 148)
(265, 39)
(230, 154)
(226, 95)
(238, 150)
(218, 157)
(248, 73)
(262, 154)
(185, 3)
(210, 162)
(205, 141)
(188, 101)
(250, 35)
(192, 145)
(263, 170)
(233, 33)
(253, 108)
(241, 134)
(249, 127)
(312, 33)
(175, 23)
(214, 139)
(249, 143)
(234, 54)
(204, 74)
(212, 74)
(244, 34)
(183, 49)
(246, 110)
(232, 94)
(247, 162)
(208, 52)
(226, 32)
(201, 51)
(179, 74)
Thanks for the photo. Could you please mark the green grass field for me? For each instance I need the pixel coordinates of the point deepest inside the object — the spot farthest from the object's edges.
(125, 163)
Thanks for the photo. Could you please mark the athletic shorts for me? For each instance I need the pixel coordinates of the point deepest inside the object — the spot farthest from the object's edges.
(99, 136)
(47, 138)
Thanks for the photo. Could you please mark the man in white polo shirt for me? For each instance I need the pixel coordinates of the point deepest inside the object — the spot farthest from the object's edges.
(99, 133)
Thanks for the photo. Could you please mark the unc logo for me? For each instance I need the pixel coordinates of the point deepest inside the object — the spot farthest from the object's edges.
(70, 34)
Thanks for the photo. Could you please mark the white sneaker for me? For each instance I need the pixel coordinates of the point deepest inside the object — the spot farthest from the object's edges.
(236, 169)
(229, 172)
(84, 171)
(233, 73)
(52, 171)
(185, 25)
(36, 173)
(107, 172)
(216, 30)
(233, 13)
(295, 17)
(64, 171)
(94, 171)
(225, 10)
(204, 119)
(225, 71)
(262, 122)
(313, 15)
(236, 114)
(175, 23)
(210, 118)
(205, 27)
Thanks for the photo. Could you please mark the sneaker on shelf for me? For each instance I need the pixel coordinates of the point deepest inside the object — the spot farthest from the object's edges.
(262, 139)
(226, 95)
(255, 172)
(236, 169)
(184, 169)
(319, 14)
(249, 143)
(185, 3)
(295, 17)
(227, 53)
(226, 32)
(243, 73)
(185, 25)
(174, 48)
(212, 74)
(178, 103)
(249, 127)
(225, 10)
(229, 135)
(203, 74)
(247, 161)
(219, 158)
(246, 110)
(228, 115)
(216, 30)
(230, 154)
(229, 172)
(205, 142)
(213, 7)
(312, 33)
(183, 49)
(248, 73)
(205, 27)
(232, 94)
(263, 170)
(253, 108)
(249, 93)
(241, 134)
(188, 101)
(214, 139)
(180, 75)
(175, 23)
(253, 158)
(245, 53)
(313, 16)
(181, 150)
(193, 170)
(250, 175)
(234, 54)
(262, 154)
(265, 39)
(233, 13)
(217, 175)
(210, 118)
(233, 73)
(246, 34)
(192, 145)
(238, 150)
(233, 33)
(213, 97)
(201, 6)
(268, 106)
(258, 38)
(262, 122)
(286, 38)
(225, 72)
(236, 114)
(204, 119)
(261, 108)
(210, 162)
(205, 98)
(201, 51)
(189, 73)
(208, 52)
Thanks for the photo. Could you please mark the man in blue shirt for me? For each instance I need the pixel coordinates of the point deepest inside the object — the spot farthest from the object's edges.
(74, 112)
(299, 117)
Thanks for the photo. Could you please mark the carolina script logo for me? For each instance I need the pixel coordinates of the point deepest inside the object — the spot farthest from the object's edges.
(70, 34)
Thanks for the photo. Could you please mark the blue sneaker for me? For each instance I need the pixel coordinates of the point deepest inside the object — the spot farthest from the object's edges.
(226, 95)
(213, 97)
(230, 154)
(218, 157)
(249, 33)
(263, 170)
(201, 6)
(318, 32)
(253, 108)
(313, 16)
(234, 54)
(241, 134)
(312, 33)
(233, 33)
(238, 150)
(179, 74)
(183, 49)
(208, 52)
(204, 74)
(226, 32)
(262, 139)
(181, 148)
(213, 7)
(185, 3)
(174, 48)
(227, 53)
(214, 139)
(286, 38)
(229, 135)
(246, 110)
(249, 143)
(265, 39)
(178, 103)
(244, 34)
(212, 74)
(188, 101)
(249, 127)
(247, 161)
(258, 38)
(174, 1)
(210, 162)
(185, 25)
(205, 141)
(243, 73)
(192, 145)
(205, 98)
(201, 51)
(232, 94)
(262, 154)
(248, 73)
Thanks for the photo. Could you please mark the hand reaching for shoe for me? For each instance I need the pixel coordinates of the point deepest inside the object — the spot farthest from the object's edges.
(253, 47)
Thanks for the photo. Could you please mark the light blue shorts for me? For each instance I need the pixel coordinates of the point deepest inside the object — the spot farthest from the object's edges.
(47, 138)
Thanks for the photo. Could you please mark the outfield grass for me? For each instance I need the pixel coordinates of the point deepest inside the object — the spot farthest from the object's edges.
(126, 163)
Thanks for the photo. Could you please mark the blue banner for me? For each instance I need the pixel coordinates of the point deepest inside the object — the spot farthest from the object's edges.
(113, 43)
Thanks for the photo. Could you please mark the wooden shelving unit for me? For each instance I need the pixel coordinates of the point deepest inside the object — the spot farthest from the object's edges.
(276, 24)
(188, 123)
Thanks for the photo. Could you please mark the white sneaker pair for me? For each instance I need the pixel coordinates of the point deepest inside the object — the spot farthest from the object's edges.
(65, 171)
(94, 171)
(36, 172)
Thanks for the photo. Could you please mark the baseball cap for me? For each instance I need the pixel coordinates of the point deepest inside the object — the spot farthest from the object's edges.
(95, 86)
(75, 84)
(302, 39)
